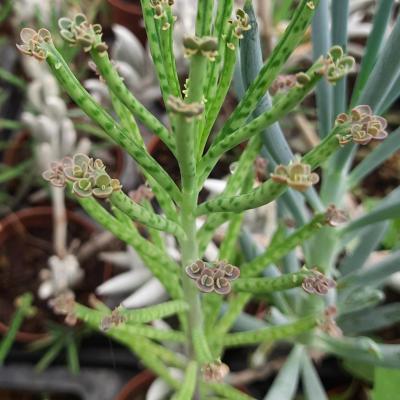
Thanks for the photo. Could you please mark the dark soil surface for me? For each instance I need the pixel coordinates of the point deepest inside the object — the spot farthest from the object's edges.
(21, 259)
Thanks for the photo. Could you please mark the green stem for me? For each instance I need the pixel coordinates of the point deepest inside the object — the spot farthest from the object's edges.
(155, 48)
(270, 256)
(283, 246)
(197, 74)
(235, 182)
(292, 36)
(269, 190)
(140, 214)
(284, 105)
(117, 86)
(221, 93)
(204, 17)
(162, 267)
(220, 30)
(165, 38)
(271, 334)
(271, 285)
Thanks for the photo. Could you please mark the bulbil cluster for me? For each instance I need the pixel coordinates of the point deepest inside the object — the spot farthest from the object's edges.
(160, 8)
(317, 283)
(283, 83)
(32, 42)
(78, 30)
(335, 217)
(64, 304)
(88, 176)
(143, 192)
(296, 175)
(206, 46)
(188, 111)
(215, 371)
(362, 126)
(240, 23)
(114, 319)
(338, 64)
(213, 279)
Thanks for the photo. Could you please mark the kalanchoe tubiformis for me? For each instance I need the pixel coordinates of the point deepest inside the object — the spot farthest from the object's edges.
(206, 46)
(317, 283)
(79, 31)
(64, 304)
(216, 278)
(32, 42)
(296, 175)
(338, 64)
(89, 176)
(114, 319)
(362, 126)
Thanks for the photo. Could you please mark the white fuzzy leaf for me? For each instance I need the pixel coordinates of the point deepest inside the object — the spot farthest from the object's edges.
(128, 48)
(125, 282)
(152, 292)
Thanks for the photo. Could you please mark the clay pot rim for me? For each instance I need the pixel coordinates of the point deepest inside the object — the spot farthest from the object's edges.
(138, 383)
(6, 228)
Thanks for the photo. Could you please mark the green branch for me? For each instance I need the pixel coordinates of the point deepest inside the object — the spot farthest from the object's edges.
(291, 38)
(140, 214)
(271, 334)
(81, 97)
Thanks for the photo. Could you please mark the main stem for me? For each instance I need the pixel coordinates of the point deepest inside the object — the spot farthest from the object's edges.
(186, 143)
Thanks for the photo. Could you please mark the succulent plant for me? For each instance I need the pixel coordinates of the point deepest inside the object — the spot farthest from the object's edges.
(307, 308)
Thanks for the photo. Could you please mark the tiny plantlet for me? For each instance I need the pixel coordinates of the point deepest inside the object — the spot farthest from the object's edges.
(208, 296)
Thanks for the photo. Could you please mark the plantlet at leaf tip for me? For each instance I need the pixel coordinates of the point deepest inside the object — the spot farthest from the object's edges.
(88, 176)
(296, 175)
(114, 319)
(64, 304)
(80, 31)
(216, 278)
(317, 283)
(206, 46)
(361, 126)
(32, 42)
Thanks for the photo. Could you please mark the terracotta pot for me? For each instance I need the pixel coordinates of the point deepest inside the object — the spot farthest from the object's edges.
(128, 13)
(138, 385)
(23, 224)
